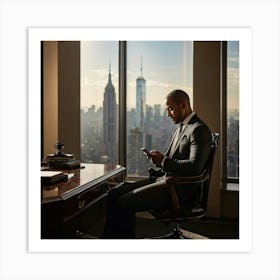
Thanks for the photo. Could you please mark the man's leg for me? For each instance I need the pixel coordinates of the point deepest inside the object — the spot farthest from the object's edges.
(123, 203)
(120, 222)
(148, 197)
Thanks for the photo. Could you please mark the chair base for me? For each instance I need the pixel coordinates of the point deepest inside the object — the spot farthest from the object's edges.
(172, 235)
(179, 233)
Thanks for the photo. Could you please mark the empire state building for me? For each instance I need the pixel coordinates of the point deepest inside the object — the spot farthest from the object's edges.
(110, 120)
(140, 101)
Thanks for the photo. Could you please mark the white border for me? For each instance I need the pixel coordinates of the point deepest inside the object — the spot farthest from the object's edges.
(36, 35)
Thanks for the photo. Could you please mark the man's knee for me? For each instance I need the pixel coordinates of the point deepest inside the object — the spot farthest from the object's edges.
(118, 191)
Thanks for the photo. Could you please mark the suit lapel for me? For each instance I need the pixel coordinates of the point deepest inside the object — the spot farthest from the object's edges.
(173, 150)
(168, 152)
(183, 133)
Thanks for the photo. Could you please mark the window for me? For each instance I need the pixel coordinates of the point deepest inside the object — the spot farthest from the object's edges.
(148, 70)
(232, 114)
(154, 68)
(99, 102)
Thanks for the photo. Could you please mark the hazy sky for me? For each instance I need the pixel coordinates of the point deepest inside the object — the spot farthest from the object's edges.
(166, 65)
(95, 59)
(233, 75)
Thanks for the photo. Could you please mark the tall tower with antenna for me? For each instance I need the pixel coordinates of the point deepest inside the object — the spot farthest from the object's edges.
(140, 99)
(110, 119)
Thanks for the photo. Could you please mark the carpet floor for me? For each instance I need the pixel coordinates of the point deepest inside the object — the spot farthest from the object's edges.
(147, 227)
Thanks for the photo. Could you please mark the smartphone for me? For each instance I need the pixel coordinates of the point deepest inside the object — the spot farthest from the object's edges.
(145, 151)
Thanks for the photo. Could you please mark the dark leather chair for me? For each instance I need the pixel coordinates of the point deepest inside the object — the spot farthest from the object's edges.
(176, 215)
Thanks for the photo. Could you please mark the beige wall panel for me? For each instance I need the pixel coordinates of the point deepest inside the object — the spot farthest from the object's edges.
(69, 96)
(206, 97)
(50, 95)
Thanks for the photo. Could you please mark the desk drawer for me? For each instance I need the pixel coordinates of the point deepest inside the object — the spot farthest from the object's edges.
(75, 205)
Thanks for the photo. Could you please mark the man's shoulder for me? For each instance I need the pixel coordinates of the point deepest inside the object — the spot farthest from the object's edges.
(196, 121)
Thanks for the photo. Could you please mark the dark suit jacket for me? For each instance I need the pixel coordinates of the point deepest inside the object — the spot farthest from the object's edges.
(192, 149)
(188, 158)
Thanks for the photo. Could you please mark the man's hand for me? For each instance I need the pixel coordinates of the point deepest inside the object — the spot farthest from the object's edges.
(156, 157)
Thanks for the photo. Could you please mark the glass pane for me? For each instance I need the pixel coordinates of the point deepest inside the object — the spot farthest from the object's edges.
(233, 109)
(99, 102)
(154, 68)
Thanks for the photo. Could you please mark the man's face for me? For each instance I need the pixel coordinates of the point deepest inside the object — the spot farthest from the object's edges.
(175, 111)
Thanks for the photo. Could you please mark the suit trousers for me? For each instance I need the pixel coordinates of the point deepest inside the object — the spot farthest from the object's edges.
(125, 200)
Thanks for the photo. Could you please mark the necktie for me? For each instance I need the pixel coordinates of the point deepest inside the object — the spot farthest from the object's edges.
(181, 128)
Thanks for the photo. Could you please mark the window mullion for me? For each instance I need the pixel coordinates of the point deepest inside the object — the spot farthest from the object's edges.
(122, 102)
(224, 112)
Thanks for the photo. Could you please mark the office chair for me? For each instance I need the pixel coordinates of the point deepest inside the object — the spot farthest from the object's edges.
(177, 215)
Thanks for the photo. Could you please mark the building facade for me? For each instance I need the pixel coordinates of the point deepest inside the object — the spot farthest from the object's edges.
(140, 101)
(110, 121)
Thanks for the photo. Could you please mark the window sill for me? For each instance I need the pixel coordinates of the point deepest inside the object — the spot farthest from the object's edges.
(232, 187)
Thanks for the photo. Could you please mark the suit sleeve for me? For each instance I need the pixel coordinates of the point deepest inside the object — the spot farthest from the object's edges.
(196, 154)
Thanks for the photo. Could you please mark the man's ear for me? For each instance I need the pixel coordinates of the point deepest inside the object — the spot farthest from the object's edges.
(183, 105)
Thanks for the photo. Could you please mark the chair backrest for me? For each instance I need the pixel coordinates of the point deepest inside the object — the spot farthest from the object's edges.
(208, 167)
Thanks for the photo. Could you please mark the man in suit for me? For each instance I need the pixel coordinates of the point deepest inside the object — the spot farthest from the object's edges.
(186, 156)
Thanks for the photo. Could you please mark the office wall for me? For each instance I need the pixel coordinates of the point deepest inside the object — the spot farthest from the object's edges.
(229, 204)
(61, 96)
(206, 100)
(69, 96)
(50, 95)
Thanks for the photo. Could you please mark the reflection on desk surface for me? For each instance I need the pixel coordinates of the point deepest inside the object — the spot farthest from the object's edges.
(82, 176)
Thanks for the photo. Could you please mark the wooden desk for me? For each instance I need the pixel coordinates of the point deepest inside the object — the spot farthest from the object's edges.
(69, 208)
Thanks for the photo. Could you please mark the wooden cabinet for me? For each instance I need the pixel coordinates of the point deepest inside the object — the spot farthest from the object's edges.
(70, 207)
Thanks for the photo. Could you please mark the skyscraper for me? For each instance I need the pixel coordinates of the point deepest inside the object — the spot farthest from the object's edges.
(140, 101)
(157, 114)
(110, 120)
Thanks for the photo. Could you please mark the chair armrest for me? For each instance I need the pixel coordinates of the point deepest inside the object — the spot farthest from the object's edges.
(189, 179)
(174, 200)
(172, 180)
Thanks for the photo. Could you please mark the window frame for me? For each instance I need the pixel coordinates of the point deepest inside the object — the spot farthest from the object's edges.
(123, 107)
(225, 179)
(123, 104)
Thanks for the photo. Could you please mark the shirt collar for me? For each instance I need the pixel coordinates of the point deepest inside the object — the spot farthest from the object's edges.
(187, 119)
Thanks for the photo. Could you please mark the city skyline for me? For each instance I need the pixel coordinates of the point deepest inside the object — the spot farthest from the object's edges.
(147, 126)
(162, 65)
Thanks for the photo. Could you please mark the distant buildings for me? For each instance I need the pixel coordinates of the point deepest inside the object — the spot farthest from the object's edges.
(91, 134)
(157, 113)
(233, 144)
